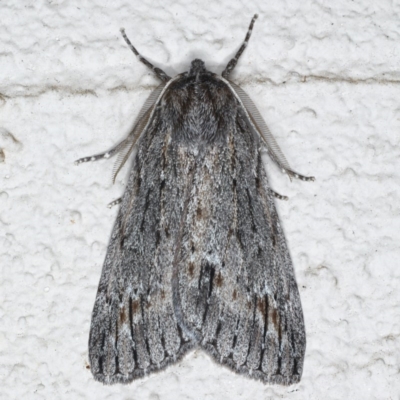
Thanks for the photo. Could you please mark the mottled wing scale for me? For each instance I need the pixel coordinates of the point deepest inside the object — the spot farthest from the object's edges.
(134, 330)
(237, 293)
(236, 278)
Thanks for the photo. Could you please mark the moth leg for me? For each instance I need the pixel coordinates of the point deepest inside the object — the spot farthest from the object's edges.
(296, 175)
(278, 196)
(107, 154)
(159, 72)
(232, 63)
(115, 202)
(284, 168)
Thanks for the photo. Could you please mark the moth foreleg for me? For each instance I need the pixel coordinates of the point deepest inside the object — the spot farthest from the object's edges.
(278, 196)
(296, 175)
(101, 156)
(115, 202)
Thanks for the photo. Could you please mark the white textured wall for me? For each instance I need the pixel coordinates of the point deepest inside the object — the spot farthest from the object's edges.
(326, 77)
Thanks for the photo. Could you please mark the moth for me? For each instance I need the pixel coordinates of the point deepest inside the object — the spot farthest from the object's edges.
(197, 256)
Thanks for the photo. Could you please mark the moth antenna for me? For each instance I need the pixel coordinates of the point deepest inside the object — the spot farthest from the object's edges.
(115, 202)
(159, 72)
(232, 63)
(279, 196)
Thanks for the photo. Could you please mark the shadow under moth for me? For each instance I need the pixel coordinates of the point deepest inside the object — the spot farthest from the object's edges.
(197, 256)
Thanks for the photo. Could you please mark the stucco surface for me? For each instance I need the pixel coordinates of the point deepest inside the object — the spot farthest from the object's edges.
(326, 78)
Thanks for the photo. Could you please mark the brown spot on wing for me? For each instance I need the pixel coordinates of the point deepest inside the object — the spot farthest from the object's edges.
(191, 269)
(219, 280)
(275, 319)
(262, 307)
(122, 315)
(135, 306)
(234, 295)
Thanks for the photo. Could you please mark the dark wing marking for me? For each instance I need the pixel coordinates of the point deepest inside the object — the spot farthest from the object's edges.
(134, 330)
(236, 279)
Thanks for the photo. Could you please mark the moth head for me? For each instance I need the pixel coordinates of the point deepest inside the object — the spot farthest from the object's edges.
(197, 67)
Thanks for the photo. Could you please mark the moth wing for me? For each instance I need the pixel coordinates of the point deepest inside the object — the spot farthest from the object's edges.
(236, 279)
(258, 125)
(256, 121)
(140, 123)
(133, 329)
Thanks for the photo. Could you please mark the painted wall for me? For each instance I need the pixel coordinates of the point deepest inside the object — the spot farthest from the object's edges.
(326, 78)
